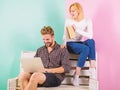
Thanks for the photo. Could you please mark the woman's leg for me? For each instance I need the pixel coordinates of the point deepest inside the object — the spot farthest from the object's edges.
(83, 50)
(92, 56)
(80, 49)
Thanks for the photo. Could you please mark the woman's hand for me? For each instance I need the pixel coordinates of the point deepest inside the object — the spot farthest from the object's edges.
(63, 46)
(74, 27)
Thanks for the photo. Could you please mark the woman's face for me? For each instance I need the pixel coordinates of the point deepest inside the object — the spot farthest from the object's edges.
(73, 12)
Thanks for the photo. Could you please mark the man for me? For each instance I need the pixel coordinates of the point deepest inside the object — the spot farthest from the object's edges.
(55, 61)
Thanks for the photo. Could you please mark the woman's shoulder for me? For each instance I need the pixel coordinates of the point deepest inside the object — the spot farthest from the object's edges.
(87, 20)
(69, 20)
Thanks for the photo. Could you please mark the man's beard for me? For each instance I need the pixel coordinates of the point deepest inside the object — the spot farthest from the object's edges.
(49, 44)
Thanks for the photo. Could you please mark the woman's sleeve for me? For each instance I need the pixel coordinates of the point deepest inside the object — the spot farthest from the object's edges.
(89, 30)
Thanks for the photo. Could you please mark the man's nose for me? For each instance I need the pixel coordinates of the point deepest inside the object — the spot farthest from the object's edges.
(45, 41)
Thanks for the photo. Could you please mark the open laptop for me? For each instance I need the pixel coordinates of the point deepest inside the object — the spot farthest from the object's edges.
(31, 64)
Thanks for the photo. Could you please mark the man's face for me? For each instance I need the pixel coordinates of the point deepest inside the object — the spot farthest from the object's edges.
(48, 40)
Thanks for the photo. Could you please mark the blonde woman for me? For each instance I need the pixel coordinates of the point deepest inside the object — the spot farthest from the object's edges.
(83, 43)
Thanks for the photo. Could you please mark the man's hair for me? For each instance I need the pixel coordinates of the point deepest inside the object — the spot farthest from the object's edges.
(47, 30)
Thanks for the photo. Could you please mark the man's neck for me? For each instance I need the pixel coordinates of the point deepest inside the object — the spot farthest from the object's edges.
(51, 47)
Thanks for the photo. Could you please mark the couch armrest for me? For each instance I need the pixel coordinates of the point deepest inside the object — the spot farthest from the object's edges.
(12, 84)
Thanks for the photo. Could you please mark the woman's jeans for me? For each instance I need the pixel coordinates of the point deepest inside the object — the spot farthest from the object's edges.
(84, 49)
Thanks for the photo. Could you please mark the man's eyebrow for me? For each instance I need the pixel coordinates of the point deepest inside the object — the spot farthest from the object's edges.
(46, 39)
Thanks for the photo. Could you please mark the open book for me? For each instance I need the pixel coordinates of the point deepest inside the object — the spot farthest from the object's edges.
(71, 32)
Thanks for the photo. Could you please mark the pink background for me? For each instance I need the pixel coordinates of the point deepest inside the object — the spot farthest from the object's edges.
(106, 20)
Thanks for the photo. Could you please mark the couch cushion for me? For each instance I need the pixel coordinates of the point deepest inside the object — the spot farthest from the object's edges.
(67, 87)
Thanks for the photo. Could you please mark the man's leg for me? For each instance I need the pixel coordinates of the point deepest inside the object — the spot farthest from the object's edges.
(36, 78)
(23, 78)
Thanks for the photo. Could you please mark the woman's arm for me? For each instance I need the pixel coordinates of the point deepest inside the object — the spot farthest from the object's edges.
(89, 30)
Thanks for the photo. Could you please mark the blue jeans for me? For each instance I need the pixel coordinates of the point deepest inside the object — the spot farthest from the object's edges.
(83, 49)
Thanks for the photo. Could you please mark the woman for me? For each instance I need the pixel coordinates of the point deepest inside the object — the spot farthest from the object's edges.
(82, 43)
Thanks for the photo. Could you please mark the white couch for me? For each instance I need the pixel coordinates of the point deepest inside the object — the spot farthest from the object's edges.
(86, 83)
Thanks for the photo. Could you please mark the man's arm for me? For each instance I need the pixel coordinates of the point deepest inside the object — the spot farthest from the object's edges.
(65, 63)
(55, 70)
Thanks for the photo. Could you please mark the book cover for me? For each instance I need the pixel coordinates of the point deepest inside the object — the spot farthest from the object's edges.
(71, 32)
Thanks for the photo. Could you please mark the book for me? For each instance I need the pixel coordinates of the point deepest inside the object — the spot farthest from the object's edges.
(71, 32)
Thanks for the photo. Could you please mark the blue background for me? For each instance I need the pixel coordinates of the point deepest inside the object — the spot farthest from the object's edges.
(20, 24)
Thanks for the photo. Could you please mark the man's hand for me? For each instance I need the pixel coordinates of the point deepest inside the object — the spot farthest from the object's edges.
(42, 70)
(54, 70)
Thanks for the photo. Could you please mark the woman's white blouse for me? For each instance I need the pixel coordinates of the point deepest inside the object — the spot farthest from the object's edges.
(83, 29)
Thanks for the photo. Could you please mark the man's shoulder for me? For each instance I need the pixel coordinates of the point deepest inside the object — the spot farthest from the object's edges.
(41, 48)
(59, 48)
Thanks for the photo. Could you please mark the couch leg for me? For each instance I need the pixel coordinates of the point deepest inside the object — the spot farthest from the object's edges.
(17, 85)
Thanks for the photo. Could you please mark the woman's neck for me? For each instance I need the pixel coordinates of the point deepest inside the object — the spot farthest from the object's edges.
(78, 19)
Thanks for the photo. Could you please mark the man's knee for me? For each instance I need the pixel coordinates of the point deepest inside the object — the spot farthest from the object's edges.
(38, 77)
(23, 76)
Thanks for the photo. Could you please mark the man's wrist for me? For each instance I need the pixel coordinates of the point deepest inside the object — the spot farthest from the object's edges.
(46, 70)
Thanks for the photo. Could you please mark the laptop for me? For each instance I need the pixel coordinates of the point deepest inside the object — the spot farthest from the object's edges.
(32, 64)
